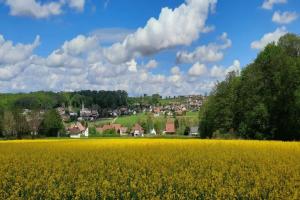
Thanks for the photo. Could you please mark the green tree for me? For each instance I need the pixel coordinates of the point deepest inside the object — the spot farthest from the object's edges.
(264, 101)
(21, 124)
(187, 130)
(9, 124)
(52, 125)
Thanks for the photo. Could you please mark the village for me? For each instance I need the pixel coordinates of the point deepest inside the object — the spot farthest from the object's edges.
(137, 120)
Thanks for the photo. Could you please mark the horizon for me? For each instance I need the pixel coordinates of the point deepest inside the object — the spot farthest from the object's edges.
(172, 48)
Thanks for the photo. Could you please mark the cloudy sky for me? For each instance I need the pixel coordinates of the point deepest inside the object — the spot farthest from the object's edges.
(171, 47)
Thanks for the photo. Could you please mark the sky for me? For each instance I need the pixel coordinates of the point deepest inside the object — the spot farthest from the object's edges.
(170, 47)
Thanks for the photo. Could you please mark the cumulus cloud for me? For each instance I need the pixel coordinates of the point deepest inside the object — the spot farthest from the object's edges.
(76, 4)
(197, 69)
(268, 4)
(11, 54)
(132, 65)
(180, 26)
(151, 64)
(70, 68)
(221, 72)
(111, 35)
(175, 70)
(33, 8)
(212, 52)
(285, 17)
(82, 63)
(268, 38)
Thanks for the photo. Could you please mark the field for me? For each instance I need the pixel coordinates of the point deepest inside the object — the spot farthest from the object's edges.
(191, 119)
(129, 121)
(149, 169)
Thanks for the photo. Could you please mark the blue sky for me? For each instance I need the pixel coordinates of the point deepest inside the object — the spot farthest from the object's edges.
(83, 44)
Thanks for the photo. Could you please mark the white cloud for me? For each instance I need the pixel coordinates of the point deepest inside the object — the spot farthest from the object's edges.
(33, 8)
(70, 68)
(111, 35)
(151, 64)
(132, 65)
(220, 72)
(268, 38)
(11, 54)
(268, 4)
(75, 53)
(180, 26)
(76, 4)
(175, 70)
(81, 63)
(285, 17)
(207, 53)
(197, 69)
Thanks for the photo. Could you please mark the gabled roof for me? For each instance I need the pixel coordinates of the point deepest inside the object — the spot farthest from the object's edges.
(76, 127)
(117, 127)
(137, 127)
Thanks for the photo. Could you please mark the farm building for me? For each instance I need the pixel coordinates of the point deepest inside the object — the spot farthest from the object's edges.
(117, 127)
(194, 131)
(137, 130)
(77, 130)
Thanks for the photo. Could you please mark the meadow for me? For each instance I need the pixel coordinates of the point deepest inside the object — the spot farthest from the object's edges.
(149, 169)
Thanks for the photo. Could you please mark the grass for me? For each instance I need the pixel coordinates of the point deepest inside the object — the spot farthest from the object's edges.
(149, 169)
(129, 121)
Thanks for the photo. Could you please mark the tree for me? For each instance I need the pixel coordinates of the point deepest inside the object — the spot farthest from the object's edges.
(187, 130)
(1, 122)
(52, 124)
(264, 101)
(21, 125)
(34, 122)
(8, 124)
(176, 123)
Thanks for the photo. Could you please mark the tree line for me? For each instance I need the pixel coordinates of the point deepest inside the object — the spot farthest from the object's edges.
(263, 102)
(17, 124)
(48, 100)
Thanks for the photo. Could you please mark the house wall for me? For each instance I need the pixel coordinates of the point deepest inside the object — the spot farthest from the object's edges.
(75, 136)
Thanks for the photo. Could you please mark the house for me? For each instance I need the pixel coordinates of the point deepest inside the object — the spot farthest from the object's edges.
(107, 127)
(194, 131)
(170, 128)
(123, 131)
(77, 130)
(137, 130)
(117, 127)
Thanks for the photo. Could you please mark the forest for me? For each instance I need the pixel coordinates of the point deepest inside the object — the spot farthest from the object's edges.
(263, 102)
(47, 100)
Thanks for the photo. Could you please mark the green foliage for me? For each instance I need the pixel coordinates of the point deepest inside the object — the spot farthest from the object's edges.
(93, 131)
(187, 130)
(8, 125)
(49, 100)
(110, 133)
(262, 103)
(21, 125)
(52, 124)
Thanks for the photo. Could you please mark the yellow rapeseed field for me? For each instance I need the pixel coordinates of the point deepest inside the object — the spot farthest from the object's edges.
(149, 169)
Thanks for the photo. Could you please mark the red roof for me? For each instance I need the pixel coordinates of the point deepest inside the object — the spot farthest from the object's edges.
(117, 127)
(170, 127)
(138, 127)
(76, 128)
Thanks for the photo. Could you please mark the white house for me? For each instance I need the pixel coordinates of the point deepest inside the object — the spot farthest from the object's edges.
(194, 131)
(78, 130)
(137, 130)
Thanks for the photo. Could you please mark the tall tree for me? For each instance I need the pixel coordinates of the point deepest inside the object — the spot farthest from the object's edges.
(9, 124)
(52, 124)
